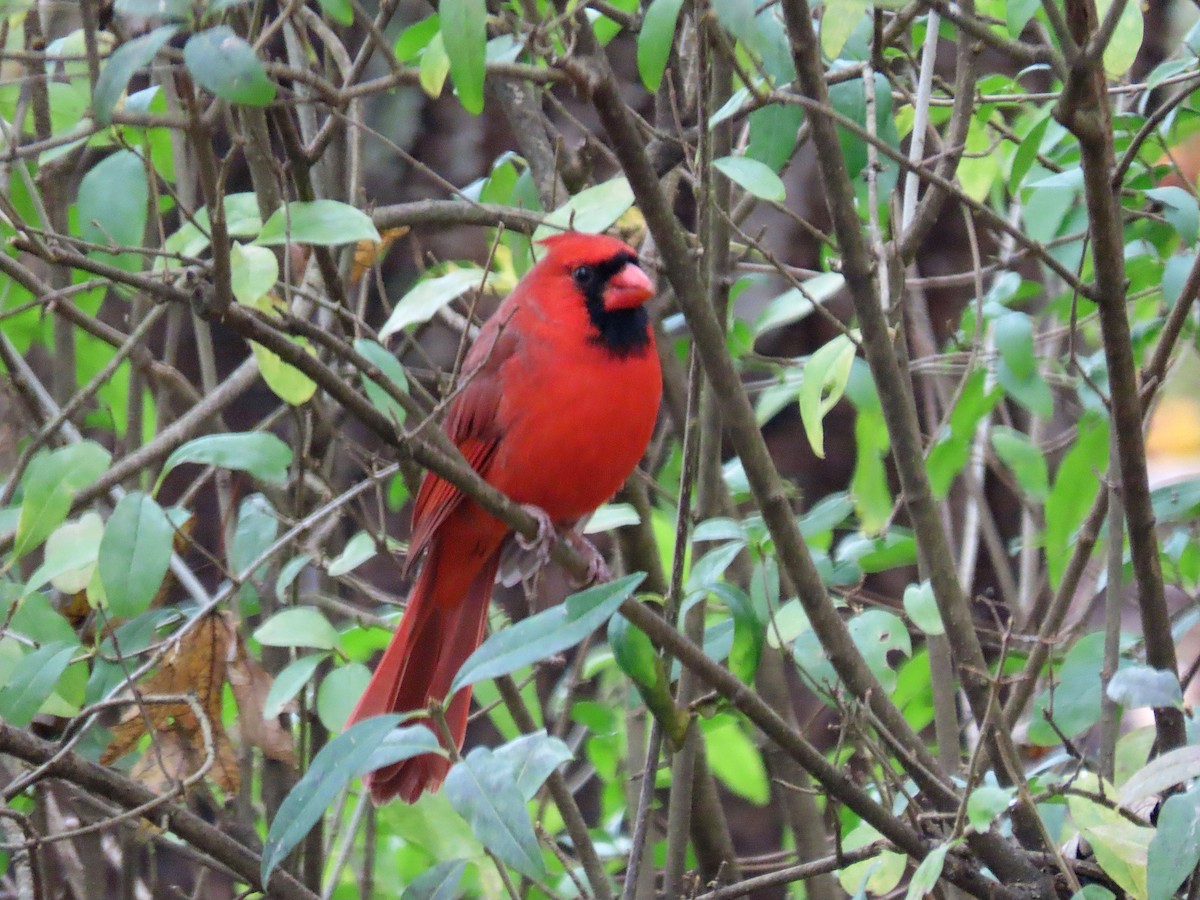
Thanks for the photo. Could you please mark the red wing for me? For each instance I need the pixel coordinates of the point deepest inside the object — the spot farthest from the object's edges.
(472, 425)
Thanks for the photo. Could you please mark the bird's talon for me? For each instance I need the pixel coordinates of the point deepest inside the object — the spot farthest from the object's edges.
(541, 542)
(597, 567)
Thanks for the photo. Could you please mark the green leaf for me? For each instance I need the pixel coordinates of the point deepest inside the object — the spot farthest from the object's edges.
(435, 66)
(951, 451)
(391, 369)
(50, 484)
(546, 633)
(256, 529)
(344, 758)
(287, 382)
(357, 551)
(299, 626)
(289, 682)
(1175, 850)
(428, 295)
(751, 175)
(610, 516)
(877, 633)
(113, 199)
(288, 572)
(322, 222)
(1017, 370)
(416, 37)
(1017, 14)
(1137, 686)
(464, 32)
(655, 40)
(1075, 703)
(224, 64)
(773, 132)
(338, 693)
(70, 556)
(986, 804)
(155, 9)
(339, 11)
(795, 304)
(1030, 146)
(749, 632)
(921, 606)
(531, 758)
(258, 452)
(825, 376)
(591, 211)
(33, 681)
(486, 795)
(1075, 488)
(1014, 339)
(1121, 848)
(879, 875)
(869, 484)
(633, 651)
(735, 760)
(1180, 211)
(1126, 40)
(838, 23)
(1178, 766)
(925, 878)
(122, 65)
(134, 554)
(439, 883)
(709, 569)
(241, 220)
(1027, 462)
(253, 272)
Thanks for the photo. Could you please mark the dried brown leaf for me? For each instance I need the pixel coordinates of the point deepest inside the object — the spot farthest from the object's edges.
(197, 664)
(250, 683)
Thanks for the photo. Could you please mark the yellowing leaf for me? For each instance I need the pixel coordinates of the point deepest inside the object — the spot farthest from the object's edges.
(1121, 847)
(368, 253)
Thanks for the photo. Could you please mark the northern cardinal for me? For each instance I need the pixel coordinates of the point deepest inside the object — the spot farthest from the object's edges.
(559, 397)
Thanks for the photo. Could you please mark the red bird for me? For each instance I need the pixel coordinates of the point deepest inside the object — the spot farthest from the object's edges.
(560, 395)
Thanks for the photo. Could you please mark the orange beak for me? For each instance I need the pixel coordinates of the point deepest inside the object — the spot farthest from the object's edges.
(628, 288)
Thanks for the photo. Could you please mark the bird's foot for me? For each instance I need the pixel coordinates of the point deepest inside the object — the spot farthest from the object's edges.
(541, 542)
(597, 569)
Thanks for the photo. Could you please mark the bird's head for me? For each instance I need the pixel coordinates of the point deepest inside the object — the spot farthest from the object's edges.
(603, 269)
(600, 275)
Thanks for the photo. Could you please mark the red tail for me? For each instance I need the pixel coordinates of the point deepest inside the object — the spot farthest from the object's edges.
(442, 625)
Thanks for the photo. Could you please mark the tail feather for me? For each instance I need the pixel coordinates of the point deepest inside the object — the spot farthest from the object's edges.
(436, 635)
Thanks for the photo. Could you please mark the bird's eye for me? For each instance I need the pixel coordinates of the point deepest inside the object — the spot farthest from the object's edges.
(583, 275)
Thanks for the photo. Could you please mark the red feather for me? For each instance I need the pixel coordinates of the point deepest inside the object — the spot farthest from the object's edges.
(558, 401)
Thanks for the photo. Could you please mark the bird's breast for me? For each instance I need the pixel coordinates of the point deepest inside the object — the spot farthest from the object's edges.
(574, 426)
